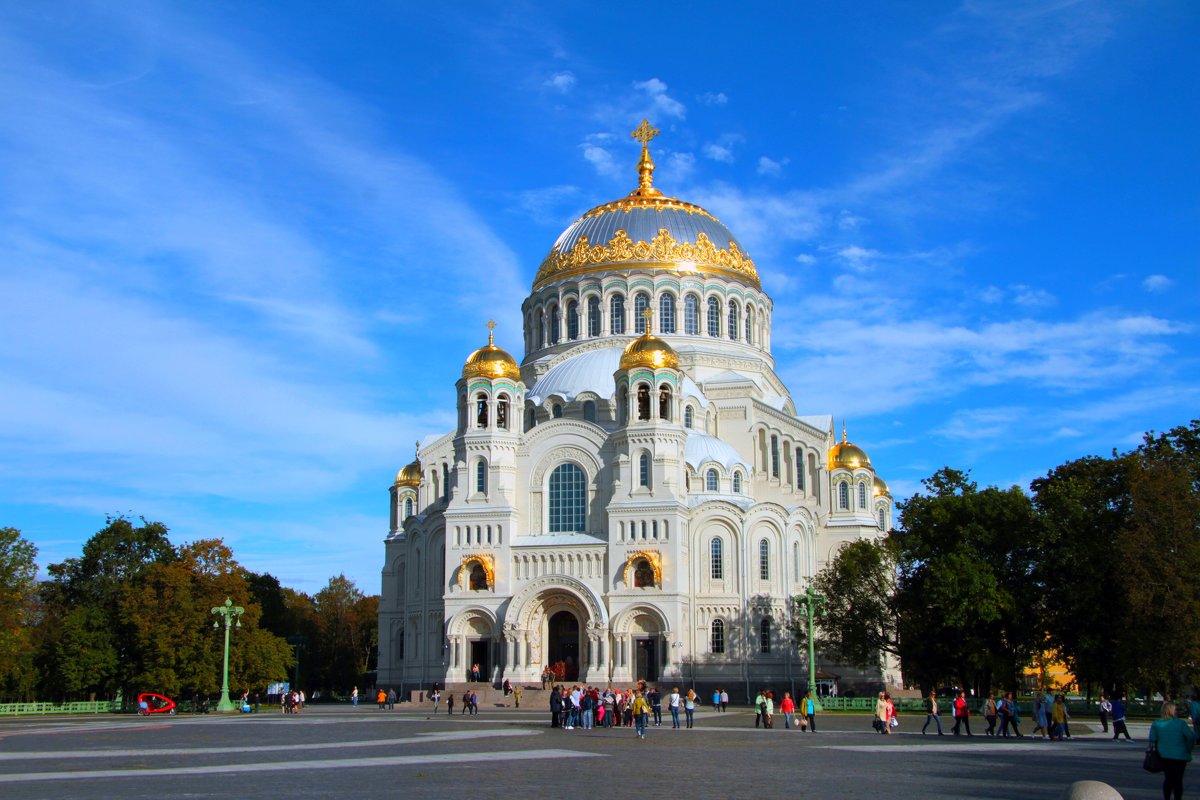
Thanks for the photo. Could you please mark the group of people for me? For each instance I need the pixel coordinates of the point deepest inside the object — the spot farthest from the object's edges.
(720, 699)
(586, 707)
(291, 702)
(806, 714)
(386, 700)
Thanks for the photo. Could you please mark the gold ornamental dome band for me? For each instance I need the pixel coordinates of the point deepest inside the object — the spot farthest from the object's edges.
(491, 362)
(646, 230)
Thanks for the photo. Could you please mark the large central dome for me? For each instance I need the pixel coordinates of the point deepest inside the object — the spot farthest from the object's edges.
(646, 230)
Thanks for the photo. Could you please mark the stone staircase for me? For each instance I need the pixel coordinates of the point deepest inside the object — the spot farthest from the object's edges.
(532, 696)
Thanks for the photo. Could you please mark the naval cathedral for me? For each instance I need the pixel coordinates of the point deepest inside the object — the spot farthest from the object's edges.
(638, 498)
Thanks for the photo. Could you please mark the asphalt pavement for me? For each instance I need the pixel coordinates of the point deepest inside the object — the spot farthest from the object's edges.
(365, 753)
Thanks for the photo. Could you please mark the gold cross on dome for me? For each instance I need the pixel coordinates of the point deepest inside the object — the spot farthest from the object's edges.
(645, 133)
(648, 315)
(491, 326)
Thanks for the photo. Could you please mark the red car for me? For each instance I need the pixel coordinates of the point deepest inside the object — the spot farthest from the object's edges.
(151, 703)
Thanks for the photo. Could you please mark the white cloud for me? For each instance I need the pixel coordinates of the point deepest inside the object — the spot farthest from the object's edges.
(718, 152)
(678, 167)
(714, 99)
(1031, 297)
(767, 166)
(662, 102)
(806, 259)
(859, 259)
(991, 295)
(561, 82)
(1157, 283)
(848, 222)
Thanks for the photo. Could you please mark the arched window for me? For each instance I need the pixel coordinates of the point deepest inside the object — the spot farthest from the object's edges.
(589, 411)
(749, 325)
(717, 570)
(717, 639)
(593, 316)
(799, 469)
(764, 560)
(862, 495)
(408, 509)
(554, 325)
(617, 312)
(643, 401)
(644, 470)
(446, 482)
(882, 518)
(568, 499)
(481, 410)
(737, 483)
(643, 574)
(714, 317)
(687, 417)
(502, 412)
(844, 496)
(733, 321)
(666, 313)
(691, 315)
(774, 456)
(481, 476)
(710, 481)
(572, 320)
(764, 636)
(641, 301)
(556, 411)
(541, 329)
(478, 578)
(531, 422)
(664, 402)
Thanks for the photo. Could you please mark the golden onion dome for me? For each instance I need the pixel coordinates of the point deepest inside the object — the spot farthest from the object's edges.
(491, 361)
(410, 475)
(881, 488)
(649, 351)
(845, 455)
(647, 230)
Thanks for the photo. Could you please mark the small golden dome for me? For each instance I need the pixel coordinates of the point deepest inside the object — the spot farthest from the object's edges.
(649, 351)
(491, 361)
(881, 488)
(410, 475)
(844, 455)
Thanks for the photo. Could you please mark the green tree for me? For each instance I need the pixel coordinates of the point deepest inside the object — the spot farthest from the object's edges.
(859, 586)
(18, 582)
(1085, 510)
(967, 597)
(346, 643)
(1160, 558)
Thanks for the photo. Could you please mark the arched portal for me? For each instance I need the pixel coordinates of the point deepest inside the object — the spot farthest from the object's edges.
(563, 643)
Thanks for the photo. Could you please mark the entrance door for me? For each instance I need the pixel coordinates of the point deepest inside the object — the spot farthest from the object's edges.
(563, 633)
(480, 649)
(647, 661)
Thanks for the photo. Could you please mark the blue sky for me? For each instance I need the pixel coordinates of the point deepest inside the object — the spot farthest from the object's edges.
(245, 247)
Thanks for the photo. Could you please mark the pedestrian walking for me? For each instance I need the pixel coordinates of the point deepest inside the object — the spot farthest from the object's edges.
(673, 702)
(759, 703)
(689, 706)
(1105, 712)
(1174, 740)
(962, 714)
(725, 702)
(436, 697)
(989, 713)
(787, 707)
(879, 723)
(641, 712)
(810, 712)
(931, 714)
(1119, 719)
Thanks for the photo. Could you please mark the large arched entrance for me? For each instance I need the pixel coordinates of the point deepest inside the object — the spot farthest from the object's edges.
(563, 643)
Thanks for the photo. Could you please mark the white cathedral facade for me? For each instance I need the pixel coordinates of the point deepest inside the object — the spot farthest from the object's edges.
(638, 498)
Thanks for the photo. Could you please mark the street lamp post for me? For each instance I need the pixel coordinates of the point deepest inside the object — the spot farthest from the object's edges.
(809, 606)
(233, 618)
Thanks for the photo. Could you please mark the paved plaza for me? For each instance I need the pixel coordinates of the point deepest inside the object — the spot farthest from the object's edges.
(363, 753)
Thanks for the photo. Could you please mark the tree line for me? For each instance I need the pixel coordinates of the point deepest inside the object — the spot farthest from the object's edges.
(132, 613)
(1097, 565)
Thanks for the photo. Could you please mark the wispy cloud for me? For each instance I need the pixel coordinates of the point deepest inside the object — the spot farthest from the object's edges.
(661, 102)
(561, 82)
(1157, 283)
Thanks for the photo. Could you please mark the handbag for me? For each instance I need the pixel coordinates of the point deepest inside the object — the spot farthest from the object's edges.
(1152, 761)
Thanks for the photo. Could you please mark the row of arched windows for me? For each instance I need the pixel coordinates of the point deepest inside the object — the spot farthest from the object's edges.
(716, 558)
(644, 530)
(844, 495)
(784, 461)
(712, 481)
(716, 640)
(544, 324)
